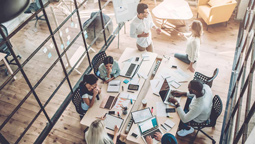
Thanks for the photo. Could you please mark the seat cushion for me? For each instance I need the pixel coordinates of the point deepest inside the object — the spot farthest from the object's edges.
(218, 2)
(204, 12)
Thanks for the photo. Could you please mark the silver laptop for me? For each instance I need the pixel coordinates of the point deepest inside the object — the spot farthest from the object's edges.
(149, 127)
(130, 68)
(166, 96)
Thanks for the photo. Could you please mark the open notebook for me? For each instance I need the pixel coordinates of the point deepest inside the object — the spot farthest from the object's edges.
(110, 122)
(114, 86)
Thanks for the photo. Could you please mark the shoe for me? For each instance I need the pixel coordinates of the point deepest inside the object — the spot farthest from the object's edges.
(184, 132)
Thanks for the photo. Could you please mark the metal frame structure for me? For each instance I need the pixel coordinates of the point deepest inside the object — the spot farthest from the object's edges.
(241, 82)
(51, 122)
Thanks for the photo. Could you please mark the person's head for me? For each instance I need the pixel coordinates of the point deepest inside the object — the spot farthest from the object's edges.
(142, 10)
(195, 87)
(96, 133)
(168, 139)
(196, 28)
(108, 62)
(90, 81)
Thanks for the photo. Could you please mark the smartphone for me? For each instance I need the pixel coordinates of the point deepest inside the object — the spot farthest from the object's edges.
(173, 66)
(134, 135)
(133, 87)
(170, 110)
(111, 112)
(137, 59)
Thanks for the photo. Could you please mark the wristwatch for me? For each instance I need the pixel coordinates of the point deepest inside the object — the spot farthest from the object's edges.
(176, 104)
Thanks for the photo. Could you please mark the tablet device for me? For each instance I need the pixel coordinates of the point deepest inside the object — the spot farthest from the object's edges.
(133, 87)
(110, 122)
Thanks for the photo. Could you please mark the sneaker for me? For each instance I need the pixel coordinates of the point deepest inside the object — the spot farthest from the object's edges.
(184, 132)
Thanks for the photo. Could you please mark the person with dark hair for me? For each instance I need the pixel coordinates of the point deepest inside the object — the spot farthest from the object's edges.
(109, 69)
(89, 91)
(166, 139)
(140, 28)
(197, 108)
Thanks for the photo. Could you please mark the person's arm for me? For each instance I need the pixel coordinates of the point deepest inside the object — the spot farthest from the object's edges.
(117, 68)
(133, 31)
(192, 114)
(103, 73)
(115, 135)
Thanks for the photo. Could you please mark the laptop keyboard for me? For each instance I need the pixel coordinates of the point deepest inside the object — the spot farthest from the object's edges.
(130, 69)
(152, 134)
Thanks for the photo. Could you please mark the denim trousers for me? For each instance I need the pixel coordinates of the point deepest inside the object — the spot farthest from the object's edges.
(182, 57)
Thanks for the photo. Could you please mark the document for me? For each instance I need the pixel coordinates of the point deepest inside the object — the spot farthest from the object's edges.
(114, 86)
(129, 96)
(161, 109)
(156, 85)
(121, 102)
(146, 56)
(110, 122)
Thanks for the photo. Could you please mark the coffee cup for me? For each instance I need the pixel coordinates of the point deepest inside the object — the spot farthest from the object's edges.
(144, 102)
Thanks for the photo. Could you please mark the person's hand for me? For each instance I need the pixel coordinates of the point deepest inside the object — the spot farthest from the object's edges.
(172, 100)
(158, 30)
(99, 90)
(181, 34)
(143, 34)
(176, 93)
(116, 129)
(95, 91)
(158, 136)
(190, 67)
(149, 140)
(109, 70)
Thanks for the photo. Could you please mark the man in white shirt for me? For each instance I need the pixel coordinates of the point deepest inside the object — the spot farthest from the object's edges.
(140, 28)
(197, 108)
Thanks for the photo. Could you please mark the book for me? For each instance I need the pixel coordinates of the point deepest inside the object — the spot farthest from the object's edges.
(114, 86)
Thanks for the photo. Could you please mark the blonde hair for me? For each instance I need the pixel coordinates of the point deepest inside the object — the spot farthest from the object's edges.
(197, 28)
(96, 134)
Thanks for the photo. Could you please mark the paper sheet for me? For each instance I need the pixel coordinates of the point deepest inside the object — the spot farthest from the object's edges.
(161, 109)
(146, 56)
(110, 122)
(126, 95)
(156, 84)
(121, 102)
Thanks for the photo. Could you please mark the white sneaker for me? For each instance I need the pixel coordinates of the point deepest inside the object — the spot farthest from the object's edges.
(184, 132)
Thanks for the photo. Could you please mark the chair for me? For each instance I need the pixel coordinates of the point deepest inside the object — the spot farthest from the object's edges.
(215, 11)
(76, 99)
(5, 49)
(33, 7)
(97, 61)
(215, 113)
(205, 79)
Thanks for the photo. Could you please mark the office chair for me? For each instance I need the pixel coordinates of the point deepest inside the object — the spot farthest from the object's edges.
(97, 61)
(76, 99)
(205, 79)
(33, 7)
(5, 49)
(211, 122)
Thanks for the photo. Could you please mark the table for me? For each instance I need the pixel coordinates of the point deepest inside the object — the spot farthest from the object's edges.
(96, 111)
(152, 99)
(2, 57)
(173, 10)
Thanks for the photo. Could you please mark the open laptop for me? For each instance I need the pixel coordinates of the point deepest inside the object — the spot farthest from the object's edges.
(130, 69)
(166, 94)
(149, 127)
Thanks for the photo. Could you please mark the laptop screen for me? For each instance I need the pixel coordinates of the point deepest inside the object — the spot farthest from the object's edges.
(164, 90)
(148, 124)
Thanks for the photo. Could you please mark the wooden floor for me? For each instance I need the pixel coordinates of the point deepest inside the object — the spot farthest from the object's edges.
(217, 51)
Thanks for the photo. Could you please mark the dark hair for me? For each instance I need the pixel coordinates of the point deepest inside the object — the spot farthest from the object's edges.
(108, 60)
(90, 79)
(196, 85)
(141, 7)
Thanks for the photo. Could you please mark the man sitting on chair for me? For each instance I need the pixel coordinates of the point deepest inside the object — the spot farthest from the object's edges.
(197, 108)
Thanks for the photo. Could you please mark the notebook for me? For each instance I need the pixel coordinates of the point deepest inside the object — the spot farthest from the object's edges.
(114, 86)
(141, 115)
(110, 122)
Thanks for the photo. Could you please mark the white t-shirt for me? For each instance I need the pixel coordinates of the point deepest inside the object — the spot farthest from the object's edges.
(84, 106)
(193, 46)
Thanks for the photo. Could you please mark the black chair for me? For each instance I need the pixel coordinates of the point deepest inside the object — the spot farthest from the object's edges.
(33, 7)
(205, 79)
(76, 99)
(97, 61)
(215, 113)
(5, 49)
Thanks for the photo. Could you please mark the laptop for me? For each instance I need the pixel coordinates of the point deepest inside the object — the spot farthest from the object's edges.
(141, 115)
(165, 93)
(130, 69)
(149, 127)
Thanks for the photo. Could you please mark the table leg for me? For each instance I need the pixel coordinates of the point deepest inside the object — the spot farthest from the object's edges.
(9, 68)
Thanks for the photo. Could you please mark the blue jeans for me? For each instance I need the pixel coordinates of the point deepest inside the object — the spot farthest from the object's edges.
(186, 110)
(182, 57)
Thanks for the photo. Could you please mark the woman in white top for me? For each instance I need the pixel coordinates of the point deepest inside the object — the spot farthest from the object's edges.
(193, 45)
(96, 134)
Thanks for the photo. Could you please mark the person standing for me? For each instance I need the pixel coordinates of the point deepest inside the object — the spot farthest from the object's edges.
(193, 45)
(140, 28)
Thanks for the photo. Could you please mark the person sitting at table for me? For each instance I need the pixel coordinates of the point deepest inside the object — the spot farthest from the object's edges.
(197, 108)
(109, 69)
(89, 91)
(193, 45)
(166, 139)
(96, 134)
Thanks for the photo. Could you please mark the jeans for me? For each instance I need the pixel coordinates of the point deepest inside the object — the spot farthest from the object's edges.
(186, 110)
(182, 57)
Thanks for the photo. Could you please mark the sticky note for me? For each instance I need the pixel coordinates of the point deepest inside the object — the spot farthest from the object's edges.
(49, 55)
(62, 46)
(72, 24)
(60, 33)
(68, 37)
(75, 26)
(45, 50)
(67, 43)
(51, 45)
(126, 81)
(67, 30)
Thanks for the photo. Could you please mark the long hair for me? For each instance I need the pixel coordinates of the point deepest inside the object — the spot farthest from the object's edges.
(197, 28)
(90, 79)
(96, 134)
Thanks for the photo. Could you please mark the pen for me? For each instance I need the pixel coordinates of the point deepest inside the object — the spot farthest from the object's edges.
(183, 81)
(131, 91)
(167, 125)
(118, 114)
(122, 88)
(151, 109)
(131, 101)
(163, 127)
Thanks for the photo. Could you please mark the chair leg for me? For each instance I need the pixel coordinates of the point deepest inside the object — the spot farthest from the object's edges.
(226, 24)
(213, 141)
(194, 138)
(197, 15)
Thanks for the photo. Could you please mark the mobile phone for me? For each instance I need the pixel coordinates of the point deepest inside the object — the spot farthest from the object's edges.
(170, 110)
(111, 112)
(134, 135)
(174, 66)
(137, 59)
